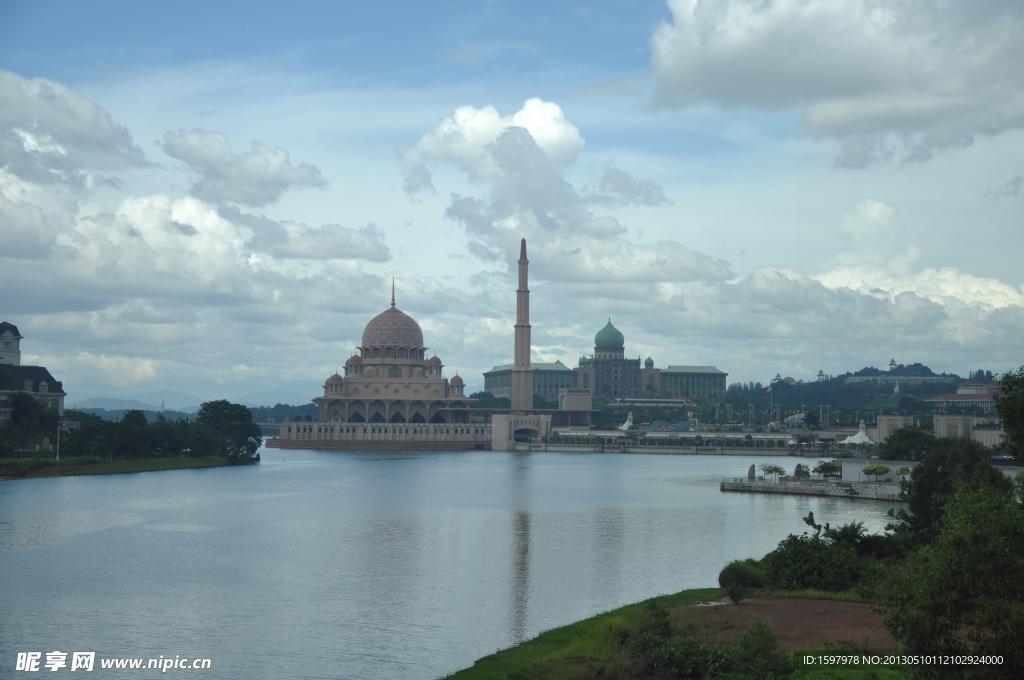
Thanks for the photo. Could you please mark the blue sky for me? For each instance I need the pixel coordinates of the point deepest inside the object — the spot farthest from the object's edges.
(214, 197)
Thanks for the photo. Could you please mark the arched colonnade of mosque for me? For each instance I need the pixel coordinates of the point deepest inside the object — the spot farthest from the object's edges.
(396, 411)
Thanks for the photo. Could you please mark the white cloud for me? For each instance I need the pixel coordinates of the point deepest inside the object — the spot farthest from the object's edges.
(868, 219)
(26, 231)
(333, 241)
(616, 187)
(50, 134)
(466, 136)
(255, 178)
(530, 197)
(946, 286)
(904, 77)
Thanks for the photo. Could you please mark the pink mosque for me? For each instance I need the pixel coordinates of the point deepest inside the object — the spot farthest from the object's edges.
(393, 397)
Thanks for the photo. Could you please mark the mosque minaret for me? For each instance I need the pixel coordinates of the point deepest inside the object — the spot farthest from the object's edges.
(522, 374)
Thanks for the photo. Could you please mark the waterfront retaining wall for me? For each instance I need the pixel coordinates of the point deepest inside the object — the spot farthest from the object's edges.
(876, 491)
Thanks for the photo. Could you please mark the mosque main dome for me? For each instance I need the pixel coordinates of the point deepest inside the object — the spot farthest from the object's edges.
(392, 328)
(609, 336)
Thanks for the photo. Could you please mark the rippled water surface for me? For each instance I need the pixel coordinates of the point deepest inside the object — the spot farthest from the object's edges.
(368, 565)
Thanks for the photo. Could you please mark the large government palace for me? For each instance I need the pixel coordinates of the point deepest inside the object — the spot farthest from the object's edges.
(608, 373)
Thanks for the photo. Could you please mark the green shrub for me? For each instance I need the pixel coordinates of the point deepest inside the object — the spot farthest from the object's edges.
(757, 654)
(655, 650)
(748, 572)
(736, 592)
(809, 562)
(37, 464)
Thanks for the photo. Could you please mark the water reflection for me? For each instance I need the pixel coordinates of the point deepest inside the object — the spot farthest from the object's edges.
(520, 586)
(520, 576)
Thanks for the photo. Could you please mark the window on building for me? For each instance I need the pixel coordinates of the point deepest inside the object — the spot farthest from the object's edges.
(376, 352)
(389, 354)
(394, 372)
(8, 344)
(615, 371)
(586, 380)
(43, 387)
(28, 385)
(401, 353)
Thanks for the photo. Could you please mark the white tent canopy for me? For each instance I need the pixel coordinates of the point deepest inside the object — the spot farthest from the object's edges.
(859, 438)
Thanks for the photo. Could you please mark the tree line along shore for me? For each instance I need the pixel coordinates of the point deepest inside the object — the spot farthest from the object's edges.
(221, 433)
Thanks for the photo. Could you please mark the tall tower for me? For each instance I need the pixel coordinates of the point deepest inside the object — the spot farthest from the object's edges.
(522, 374)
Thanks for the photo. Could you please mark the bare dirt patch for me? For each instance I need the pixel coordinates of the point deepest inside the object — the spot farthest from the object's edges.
(799, 623)
(804, 624)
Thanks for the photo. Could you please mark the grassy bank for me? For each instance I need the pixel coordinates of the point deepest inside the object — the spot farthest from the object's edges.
(25, 468)
(581, 649)
(588, 649)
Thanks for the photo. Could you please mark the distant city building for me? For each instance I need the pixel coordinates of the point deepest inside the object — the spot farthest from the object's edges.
(821, 376)
(903, 379)
(548, 379)
(14, 378)
(969, 394)
(611, 375)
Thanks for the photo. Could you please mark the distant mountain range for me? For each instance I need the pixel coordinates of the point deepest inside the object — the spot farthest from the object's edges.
(298, 393)
(150, 401)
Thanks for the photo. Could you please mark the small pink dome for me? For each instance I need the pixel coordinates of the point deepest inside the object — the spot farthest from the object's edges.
(354, 359)
(456, 381)
(334, 379)
(434, 361)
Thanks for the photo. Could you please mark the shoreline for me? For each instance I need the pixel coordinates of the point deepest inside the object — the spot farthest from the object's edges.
(13, 469)
(872, 491)
(586, 648)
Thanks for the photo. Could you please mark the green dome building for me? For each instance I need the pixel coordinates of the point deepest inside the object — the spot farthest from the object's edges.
(608, 373)
(610, 337)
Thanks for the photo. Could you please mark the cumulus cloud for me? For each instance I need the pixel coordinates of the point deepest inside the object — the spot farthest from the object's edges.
(868, 219)
(417, 179)
(946, 286)
(616, 187)
(528, 196)
(50, 134)
(901, 78)
(295, 240)
(27, 233)
(333, 241)
(465, 137)
(255, 178)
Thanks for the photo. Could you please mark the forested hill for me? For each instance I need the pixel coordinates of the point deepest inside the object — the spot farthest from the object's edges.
(838, 393)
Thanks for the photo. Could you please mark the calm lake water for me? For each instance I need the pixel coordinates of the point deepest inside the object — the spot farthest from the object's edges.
(368, 565)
